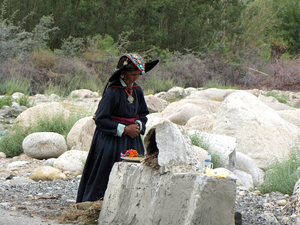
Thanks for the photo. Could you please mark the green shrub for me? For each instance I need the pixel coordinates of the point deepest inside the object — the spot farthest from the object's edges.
(202, 142)
(280, 97)
(282, 176)
(215, 84)
(15, 84)
(11, 144)
(6, 100)
(24, 100)
(71, 47)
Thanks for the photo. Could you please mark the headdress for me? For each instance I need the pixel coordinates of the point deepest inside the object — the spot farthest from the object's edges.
(139, 63)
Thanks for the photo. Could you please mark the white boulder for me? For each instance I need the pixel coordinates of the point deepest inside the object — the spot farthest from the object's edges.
(83, 93)
(201, 122)
(274, 104)
(81, 135)
(44, 111)
(155, 104)
(176, 152)
(245, 178)
(260, 132)
(44, 145)
(211, 94)
(73, 160)
(246, 164)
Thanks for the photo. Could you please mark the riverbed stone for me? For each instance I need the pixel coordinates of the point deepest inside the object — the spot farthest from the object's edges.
(145, 196)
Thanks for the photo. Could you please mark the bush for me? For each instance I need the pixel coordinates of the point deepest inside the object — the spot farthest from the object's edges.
(201, 142)
(11, 144)
(24, 100)
(280, 97)
(6, 100)
(282, 175)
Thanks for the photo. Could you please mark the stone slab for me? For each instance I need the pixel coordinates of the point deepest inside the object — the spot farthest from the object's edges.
(137, 194)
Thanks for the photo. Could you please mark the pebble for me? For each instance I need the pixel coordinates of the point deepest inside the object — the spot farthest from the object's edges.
(263, 208)
(256, 208)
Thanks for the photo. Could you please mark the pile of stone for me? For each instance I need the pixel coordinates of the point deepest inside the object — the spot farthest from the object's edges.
(245, 129)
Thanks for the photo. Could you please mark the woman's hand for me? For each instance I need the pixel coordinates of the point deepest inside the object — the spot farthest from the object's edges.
(133, 130)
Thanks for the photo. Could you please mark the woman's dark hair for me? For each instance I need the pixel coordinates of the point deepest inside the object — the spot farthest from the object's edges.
(130, 66)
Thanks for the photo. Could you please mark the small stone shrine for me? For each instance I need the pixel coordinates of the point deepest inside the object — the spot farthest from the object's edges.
(169, 189)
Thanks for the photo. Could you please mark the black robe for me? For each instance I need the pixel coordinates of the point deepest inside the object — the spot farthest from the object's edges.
(106, 146)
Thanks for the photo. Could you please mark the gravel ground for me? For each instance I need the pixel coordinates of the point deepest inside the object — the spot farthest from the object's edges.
(255, 208)
(24, 198)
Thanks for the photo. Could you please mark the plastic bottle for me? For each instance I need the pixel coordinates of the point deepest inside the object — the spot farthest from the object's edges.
(207, 163)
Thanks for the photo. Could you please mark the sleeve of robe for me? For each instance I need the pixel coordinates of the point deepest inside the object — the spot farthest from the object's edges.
(104, 111)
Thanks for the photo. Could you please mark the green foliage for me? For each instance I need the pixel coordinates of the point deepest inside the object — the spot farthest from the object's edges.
(15, 41)
(24, 100)
(282, 175)
(216, 84)
(202, 142)
(280, 97)
(11, 144)
(174, 25)
(289, 15)
(14, 84)
(154, 84)
(255, 25)
(6, 100)
(71, 47)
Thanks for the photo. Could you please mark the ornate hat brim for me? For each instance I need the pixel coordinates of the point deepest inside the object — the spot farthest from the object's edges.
(148, 66)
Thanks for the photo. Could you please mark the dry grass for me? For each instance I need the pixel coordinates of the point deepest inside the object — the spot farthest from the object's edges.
(83, 213)
(43, 58)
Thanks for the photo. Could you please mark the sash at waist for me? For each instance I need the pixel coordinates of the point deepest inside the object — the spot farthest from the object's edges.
(124, 120)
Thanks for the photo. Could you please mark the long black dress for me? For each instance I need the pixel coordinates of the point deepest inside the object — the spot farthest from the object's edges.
(106, 145)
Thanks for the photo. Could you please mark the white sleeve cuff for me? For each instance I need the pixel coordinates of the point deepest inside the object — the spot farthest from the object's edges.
(120, 129)
(140, 123)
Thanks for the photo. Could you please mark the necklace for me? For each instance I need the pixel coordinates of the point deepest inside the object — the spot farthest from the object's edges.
(130, 98)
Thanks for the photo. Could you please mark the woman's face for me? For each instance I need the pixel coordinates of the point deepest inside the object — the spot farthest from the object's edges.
(131, 76)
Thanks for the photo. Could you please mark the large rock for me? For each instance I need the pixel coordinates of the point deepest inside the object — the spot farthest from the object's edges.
(153, 119)
(83, 93)
(180, 112)
(47, 173)
(44, 145)
(140, 195)
(273, 103)
(211, 94)
(246, 164)
(81, 135)
(260, 132)
(203, 122)
(292, 116)
(45, 111)
(176, 152)
(185, 112)
(73, 160)
(201, 153)
(155, 104)
(245, 178)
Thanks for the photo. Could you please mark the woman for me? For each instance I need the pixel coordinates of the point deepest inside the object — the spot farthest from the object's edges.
(120, 119)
